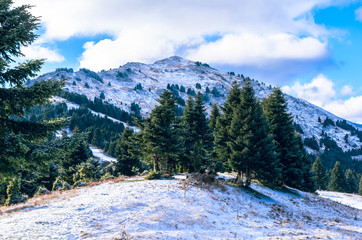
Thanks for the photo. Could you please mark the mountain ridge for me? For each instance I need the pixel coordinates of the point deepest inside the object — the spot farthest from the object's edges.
(119, 88)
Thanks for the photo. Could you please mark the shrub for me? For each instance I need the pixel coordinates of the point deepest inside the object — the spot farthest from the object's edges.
(153, 175)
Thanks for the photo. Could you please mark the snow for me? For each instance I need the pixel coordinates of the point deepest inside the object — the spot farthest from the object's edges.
(172, 209)
(351, 200)
(101, 155)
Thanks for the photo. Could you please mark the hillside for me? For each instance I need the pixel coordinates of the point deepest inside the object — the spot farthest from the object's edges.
(142, 83)
(162, 209)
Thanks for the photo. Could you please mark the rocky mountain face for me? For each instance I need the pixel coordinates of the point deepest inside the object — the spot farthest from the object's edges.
(142, 83)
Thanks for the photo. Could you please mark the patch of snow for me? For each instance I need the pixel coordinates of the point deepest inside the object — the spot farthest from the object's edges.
(101, 155)
(351, 200)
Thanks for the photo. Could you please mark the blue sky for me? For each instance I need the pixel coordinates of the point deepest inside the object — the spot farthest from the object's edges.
(311, 48)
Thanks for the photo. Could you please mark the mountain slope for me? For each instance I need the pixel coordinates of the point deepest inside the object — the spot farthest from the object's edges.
(120, 89)
(162, 209)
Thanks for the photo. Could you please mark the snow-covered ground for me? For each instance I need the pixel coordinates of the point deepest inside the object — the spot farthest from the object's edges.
(351, 200)
(171, 209)
(101, 155)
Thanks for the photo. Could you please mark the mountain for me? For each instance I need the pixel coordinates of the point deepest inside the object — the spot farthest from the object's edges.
(142, 83)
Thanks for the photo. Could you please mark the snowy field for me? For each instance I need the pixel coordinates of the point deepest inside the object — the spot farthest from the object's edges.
(171, 209)
(351, 200)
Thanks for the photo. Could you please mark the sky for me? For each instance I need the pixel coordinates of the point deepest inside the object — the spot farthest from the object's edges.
(311, 49)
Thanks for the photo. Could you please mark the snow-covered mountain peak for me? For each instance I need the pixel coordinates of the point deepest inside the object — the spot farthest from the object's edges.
(173, 61)
(142, 83)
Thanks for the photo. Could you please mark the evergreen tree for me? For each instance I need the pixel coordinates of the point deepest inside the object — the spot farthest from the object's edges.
(320, 177)
(19, 138)
(161, 135)
(337, 181)
(360, 186)
(295, 171)
(126, 158)
(98, 139)
(221, 150)
(215, 114)
(252, 149)
(197, 133)
(351, 182)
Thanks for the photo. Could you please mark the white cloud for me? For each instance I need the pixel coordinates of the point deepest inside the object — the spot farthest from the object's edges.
(349, 109)
(39, 52)
(259, 50)
(347, 90)
(163, 28)
(358, 13)
(319, 91)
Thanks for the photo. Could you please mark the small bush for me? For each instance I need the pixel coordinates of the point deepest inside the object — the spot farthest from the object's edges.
(41, 191)
(153, 175)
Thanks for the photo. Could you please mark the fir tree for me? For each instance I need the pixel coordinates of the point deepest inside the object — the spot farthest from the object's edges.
(337, 181)
(19, 138)
(320, 177)
(252, 149)
(291, 154)
(161, 135)
(215, 114)
(197, 131)
(360, 186)
(221, 150)
(351, 182)
(126, 158)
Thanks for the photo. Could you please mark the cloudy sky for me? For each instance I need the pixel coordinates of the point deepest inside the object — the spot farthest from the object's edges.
(311, 48)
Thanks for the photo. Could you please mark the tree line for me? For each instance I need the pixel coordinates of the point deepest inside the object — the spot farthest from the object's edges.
(255, 139)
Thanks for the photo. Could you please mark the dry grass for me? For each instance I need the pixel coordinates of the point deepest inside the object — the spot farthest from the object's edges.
(43, 200)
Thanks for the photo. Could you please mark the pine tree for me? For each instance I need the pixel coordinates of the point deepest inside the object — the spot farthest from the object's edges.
(126, 158)
(360, 186)
(252, 149)
(320, 177)
(161, 135)
(17, 31)
(291, 154)
(215, 114)
(197, 133)
(338, 181)
(221, 150)
(351, 182)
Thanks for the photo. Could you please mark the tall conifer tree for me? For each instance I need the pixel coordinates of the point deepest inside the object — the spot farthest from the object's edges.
(161, 135)
(125, 151)
(197, 134)
(320, 177)
(292, 156)
(221, 150)
(19, 138)
(338, 180)
(252, 149)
